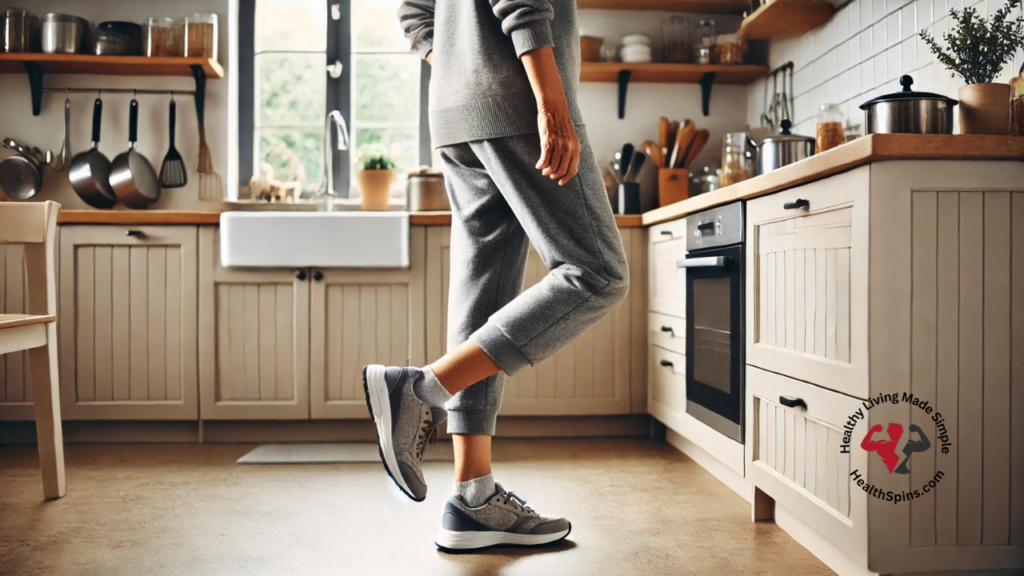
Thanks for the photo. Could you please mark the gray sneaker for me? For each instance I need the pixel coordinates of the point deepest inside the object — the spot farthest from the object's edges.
(504, 520)
(405, 425)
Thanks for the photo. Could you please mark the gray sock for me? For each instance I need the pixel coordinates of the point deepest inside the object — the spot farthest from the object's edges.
(429, 390)
(476, 491)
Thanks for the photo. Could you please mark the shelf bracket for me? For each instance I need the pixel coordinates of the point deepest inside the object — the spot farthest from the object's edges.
(624, 76)
(35, 84)
(200, 75)
(706, 82)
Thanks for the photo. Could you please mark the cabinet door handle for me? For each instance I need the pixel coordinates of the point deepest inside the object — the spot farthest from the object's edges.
(300, 274)
(791, 402)
(666, 363)
(797, 204)
(668, 329)
(318, 275)
(666, 232)
(131, 233)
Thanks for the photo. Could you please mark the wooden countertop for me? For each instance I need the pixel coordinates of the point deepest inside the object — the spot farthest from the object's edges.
(874, 148)
(172, 217)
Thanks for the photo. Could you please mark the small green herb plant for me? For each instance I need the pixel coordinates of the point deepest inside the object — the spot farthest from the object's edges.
(979, 48)
(378, 162)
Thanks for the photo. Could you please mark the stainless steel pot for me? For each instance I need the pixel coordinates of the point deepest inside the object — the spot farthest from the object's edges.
(90, 170)
(64, 34)
(909, 112)
(131, 175)
(426, 191)
(783, 149)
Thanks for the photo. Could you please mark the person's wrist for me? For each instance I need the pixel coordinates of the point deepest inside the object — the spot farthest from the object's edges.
(551, 102)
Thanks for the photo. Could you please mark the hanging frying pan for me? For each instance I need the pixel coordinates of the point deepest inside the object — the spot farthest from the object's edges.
(90, 170)
(132, 176)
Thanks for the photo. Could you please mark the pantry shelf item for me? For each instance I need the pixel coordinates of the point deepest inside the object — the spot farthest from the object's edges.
(829, 131)
(17, 30)
(636, 48)
(738, 155)
(730, 49)
(785, 18)
(115, 39)
(909, 112)
(782, 150)
(199, 35)
(63, 34)
(675, 31)
(158, 37)
(1017, 104)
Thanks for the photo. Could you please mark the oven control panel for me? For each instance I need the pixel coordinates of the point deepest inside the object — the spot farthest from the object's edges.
(722, 226)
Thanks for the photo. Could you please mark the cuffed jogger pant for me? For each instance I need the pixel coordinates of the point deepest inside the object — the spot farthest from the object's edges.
(500, 203)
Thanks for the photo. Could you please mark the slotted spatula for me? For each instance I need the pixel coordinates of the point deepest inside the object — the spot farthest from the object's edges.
(173, 173)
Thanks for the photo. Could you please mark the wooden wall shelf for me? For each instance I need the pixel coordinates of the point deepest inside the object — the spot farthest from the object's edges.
(785, 18)
(699, 6)
(38, 65)
(703, 74)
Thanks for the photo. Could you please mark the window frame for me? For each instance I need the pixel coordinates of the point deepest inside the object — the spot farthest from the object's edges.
(339, 91)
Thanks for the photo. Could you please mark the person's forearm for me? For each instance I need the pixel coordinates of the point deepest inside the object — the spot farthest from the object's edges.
(542, 71)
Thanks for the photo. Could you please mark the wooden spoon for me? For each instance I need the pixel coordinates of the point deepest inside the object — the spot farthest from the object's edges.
(664, 136)
(682, 144)
(652, 150)
(699, 141)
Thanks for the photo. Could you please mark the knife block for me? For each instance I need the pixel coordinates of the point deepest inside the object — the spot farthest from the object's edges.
(673, 185)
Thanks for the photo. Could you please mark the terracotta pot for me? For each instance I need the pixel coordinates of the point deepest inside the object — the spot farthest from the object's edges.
(375, 188)
(984, 109)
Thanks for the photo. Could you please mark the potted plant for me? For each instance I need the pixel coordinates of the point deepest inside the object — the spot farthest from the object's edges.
(977, 51)
(375, 180)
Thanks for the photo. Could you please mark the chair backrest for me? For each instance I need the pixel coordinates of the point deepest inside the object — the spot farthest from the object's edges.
(26, 223)
(34, 224)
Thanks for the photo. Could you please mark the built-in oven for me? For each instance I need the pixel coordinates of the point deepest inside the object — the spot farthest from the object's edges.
(715, 317)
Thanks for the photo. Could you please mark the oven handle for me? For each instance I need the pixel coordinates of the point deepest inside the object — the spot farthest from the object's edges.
(706, 262)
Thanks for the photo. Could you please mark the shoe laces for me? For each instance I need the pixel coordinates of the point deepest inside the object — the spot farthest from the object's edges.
(427, 434)
(517, 501)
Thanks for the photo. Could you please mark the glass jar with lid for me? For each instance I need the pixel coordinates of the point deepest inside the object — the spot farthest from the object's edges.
(730, 49)
(706, 32)
(675, 31)
(158, 37)
(738, 153)
(199, 36)
(830, 132)
(17, 30)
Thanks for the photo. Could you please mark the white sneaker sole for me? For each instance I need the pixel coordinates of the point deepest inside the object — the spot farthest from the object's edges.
(448, 540)
(380, 405)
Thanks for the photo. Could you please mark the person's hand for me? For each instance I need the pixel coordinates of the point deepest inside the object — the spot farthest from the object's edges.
(429, 57)
(559, 145)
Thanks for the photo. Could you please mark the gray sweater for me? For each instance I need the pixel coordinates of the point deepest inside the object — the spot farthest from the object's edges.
(478, 86)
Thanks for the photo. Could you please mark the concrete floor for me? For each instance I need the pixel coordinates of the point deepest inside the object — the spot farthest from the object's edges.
(637, 507)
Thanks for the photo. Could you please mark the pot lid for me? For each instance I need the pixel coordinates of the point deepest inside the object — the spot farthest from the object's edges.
(786, 135)
(907, 94)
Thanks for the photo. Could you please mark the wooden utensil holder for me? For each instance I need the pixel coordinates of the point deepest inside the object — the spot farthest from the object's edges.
(673, 185)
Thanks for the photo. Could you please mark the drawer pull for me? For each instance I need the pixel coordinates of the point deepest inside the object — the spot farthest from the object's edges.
(318, 275)
(667, 363)
(791, 402)
(797, 204)
(131, 233)
(666, 233)
(300, 274)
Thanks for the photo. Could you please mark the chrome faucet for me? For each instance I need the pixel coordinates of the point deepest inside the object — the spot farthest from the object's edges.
(327, 166)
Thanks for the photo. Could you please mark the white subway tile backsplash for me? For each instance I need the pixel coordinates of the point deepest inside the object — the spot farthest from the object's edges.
(908, 22)
(881, 75)
(819, 72)
(924, 13)
(924, 53)
(909, 54)
(853, 51)
(879, 10)
(832, 91)
(894, 67)
(866, 19)
(878, 38)
(867, 76)
(831, 64)
(892, 29)
(802, 81)
(923, 79)
(843, 86)
(865, 44)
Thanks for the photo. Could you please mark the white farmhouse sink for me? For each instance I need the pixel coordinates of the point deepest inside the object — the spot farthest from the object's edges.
(320, 239)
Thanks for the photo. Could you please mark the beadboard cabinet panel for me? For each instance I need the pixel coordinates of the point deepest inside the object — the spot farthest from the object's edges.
(15, 375)
(666, 245)
(602, 372)
(127, 322)
(360, 317)
(253, 339)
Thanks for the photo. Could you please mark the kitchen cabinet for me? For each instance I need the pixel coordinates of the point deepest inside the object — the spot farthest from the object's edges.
(666, 392)
(253, 339)
(666, 246)
(15, 382)
(128, 322)
(360, 317)
(927, 280)
(603, 372)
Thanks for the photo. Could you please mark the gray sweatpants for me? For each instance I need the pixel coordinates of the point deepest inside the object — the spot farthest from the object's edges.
(499, 203)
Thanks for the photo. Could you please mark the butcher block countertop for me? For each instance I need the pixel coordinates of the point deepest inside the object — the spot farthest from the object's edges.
(874, 148)
(172, 217)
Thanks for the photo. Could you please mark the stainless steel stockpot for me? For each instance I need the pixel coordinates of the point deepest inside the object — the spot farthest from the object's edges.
(783, 149)
(909, 112)
(63, 34)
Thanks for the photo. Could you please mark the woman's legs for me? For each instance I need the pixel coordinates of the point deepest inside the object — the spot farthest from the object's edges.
(472, 456)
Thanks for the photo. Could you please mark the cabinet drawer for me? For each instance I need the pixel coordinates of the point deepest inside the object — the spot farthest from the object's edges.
(666, 282)
(666, 332)
(666, 390)
(807, 281)
(796, 459)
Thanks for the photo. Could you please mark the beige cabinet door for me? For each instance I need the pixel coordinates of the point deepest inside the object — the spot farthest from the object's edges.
(360, 317)
(127, 322)
(253, 339)
(807, 282)
(666, 285)
(602, 372)
(15, 382)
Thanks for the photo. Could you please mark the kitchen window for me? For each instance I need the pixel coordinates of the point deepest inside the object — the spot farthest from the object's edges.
(301, 59)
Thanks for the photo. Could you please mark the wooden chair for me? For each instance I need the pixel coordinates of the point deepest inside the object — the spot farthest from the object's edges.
(35, 225)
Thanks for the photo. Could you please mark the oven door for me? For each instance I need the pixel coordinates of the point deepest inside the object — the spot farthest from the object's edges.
(714, 338)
